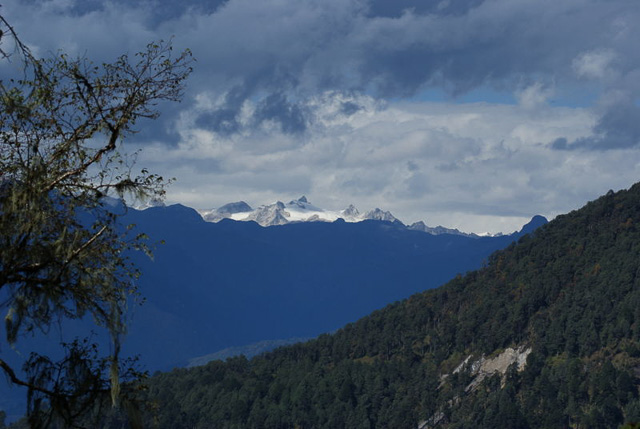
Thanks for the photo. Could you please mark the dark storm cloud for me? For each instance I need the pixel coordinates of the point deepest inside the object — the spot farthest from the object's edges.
(396, 49)
(349, 108)
(486, 46)
(225, 120)
(276, 107)
(275, 56)
(386, 48)
(617, 128)
(392, 9)
(158, 10)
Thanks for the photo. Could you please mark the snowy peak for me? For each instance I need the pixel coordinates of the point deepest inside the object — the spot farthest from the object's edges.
(302, 205)
(273, 214)
(302, 210)
(350, 212)
(226, 211)
(378, 214)
(232, 208)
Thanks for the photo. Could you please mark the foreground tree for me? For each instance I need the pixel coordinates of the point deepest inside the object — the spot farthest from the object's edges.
(62, 250)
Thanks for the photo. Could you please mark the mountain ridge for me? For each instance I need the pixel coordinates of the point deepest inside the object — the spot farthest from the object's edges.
(214, 286)
(301, 210)
(562, 305)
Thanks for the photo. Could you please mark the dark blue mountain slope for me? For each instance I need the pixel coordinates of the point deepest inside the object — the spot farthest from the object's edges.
(217, 285)
(213, 286)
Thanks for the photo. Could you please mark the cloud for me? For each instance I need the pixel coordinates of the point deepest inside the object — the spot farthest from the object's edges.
(334, 99)
(594, 64)
(400, 49)
(225, 118)
(424, 161)
(391, 9)
(391, 48)
(276, 107)
(533, 96)
(617, 128)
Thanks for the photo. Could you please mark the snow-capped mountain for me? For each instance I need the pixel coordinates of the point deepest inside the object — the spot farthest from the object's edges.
(226, 211)
(377, 214)
(301, 210)
(350, 213)
(274, 214)
(279, 213)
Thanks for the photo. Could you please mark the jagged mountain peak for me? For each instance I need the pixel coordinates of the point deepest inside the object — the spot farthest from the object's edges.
(379, 214)
(351, 211)
(302, 203)
(270, 215)
(302, 210)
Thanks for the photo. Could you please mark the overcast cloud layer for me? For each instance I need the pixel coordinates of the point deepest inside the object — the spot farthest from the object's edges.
(475, 114)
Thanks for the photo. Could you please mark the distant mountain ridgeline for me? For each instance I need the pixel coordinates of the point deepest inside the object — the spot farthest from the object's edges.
(301, 210)
(215, 289)
(547, 335)
(213, 286)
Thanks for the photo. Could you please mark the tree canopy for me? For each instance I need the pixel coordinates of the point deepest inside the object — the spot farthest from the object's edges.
(62, 251)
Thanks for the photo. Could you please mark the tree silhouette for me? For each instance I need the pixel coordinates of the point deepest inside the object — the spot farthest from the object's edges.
(62, 251)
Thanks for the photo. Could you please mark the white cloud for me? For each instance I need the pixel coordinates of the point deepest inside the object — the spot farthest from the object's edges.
(595, 64)
(479, 167)
(534, 95)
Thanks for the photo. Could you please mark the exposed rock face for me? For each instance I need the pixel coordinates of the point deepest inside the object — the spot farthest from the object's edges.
(483, 367)
(480, 369)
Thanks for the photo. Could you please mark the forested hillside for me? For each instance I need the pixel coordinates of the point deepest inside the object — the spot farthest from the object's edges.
(569, 294)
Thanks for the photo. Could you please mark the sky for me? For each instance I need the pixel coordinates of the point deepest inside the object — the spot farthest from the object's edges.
(471, 114)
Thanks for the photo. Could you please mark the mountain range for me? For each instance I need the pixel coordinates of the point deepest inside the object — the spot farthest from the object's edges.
(546, 334)
(301, 210)
(213, 287)
(226, 284)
